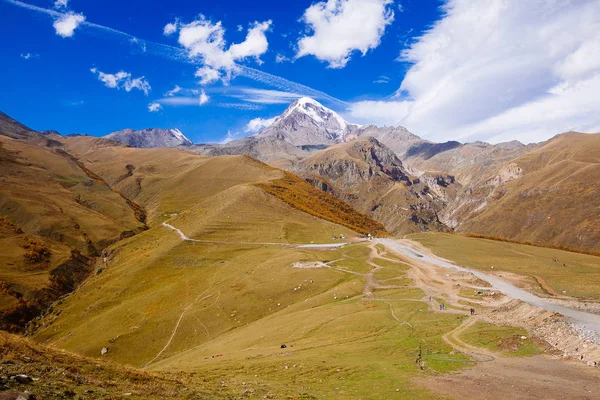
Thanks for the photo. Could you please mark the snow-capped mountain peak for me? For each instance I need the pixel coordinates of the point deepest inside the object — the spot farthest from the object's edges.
(308, 122)
(151, 137)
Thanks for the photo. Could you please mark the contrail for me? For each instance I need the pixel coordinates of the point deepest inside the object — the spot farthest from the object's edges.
(178, 54)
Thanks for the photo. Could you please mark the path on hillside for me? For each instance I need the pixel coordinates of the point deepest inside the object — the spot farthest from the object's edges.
(587, 324)
(302, 246)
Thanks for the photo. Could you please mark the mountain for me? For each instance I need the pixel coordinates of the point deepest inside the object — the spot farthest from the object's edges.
(398, 139)
(151, 138)
(16, 130)
(55, 217)
(306, 122)
(370, 177)
(468, 162)
(546, 196)
(269, 149)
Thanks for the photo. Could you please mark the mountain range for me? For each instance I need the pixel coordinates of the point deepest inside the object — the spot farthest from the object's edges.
(410, 184)
(166, 260)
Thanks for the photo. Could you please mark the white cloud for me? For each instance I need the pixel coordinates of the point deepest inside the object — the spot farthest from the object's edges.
(340, 27)
(154, 107)
(204, 98)
(258, 124)
(67, 23)
(205, 41)
(532, 70)
(123, 80)
(61, 4)
(382, 79)
(280, 58)
(27, 56)
(200, 99)
(170, 28)
(137, 83)
(263, 96)
(173, 91)
(207, 75)
(389, 113)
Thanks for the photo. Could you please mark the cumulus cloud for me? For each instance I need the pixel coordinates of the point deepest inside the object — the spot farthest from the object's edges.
(258, 124)
(207, 75)
(204, 98)
(205, 42)
(67, 23)
(341, 27)
(154, 107)
(123, 80)
(500, 70)
(170, 28)
(61, 4)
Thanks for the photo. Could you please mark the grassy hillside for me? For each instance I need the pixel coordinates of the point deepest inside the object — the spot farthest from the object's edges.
(555, 200)
(546, 271)
(53, 218)
(170, 180)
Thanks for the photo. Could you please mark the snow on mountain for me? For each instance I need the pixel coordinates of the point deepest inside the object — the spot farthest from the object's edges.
(151, 138)
(307, 122)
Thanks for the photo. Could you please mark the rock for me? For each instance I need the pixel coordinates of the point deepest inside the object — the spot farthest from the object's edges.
(16, 396)
(592, 363)
(22, 379)
(104, 350)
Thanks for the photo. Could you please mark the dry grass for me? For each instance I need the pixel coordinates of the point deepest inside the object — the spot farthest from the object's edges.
(305, 197)
(573, 274)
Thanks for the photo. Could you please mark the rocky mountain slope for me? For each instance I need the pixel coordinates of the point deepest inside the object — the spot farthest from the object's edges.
(370, 177)
(269, 149)
(150, 138)
(16, 130)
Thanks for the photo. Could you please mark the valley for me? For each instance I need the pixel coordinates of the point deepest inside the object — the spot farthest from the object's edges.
(219, 276)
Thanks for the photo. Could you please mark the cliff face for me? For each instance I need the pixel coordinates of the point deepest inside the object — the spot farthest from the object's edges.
(371, 178)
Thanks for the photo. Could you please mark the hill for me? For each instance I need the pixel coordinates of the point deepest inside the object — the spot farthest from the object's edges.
(54, 217)
(546, 196)
(370, 177)
(13, 129)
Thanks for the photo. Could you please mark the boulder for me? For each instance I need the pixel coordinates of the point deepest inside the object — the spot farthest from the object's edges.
(22, 378)
(16, 396)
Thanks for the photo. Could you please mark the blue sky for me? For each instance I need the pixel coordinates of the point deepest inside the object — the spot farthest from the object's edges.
(456, 69)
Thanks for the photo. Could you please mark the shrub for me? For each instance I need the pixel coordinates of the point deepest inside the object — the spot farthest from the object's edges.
(304, 197)
(35, 252)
